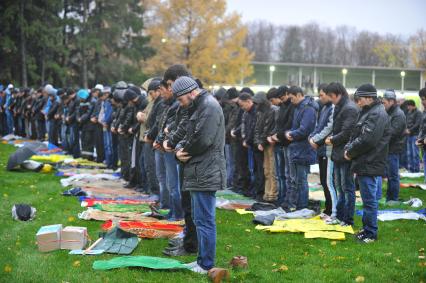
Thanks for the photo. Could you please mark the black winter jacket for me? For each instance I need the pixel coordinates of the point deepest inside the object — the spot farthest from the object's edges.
(369, 143)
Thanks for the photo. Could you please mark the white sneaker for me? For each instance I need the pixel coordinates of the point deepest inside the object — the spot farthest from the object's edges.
(191, 264)
(198, 269)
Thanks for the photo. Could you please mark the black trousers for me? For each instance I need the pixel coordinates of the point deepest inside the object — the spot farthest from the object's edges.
(241, 178)
(99, 143)
(322, 162)
(41, 129)
(87, 143)
(125, 152)
(190, 241)
(259, 176)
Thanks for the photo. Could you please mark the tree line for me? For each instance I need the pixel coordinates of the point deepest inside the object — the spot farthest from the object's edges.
(343, 45)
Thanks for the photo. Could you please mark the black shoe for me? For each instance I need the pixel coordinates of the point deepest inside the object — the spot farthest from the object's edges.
(175, 252)
(129, 186)
(175, 242)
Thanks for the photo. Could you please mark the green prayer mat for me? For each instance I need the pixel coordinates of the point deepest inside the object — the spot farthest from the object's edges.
(139, 261)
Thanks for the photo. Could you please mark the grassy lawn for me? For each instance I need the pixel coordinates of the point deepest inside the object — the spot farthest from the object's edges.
(393, 258)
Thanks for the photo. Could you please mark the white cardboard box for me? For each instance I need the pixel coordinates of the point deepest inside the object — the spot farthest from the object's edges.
(73, 238)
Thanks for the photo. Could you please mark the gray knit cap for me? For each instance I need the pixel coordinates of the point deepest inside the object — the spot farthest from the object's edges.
(183, 85)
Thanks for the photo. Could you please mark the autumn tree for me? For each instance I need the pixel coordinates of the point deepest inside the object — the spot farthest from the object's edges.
(200, 35)
(418, 48)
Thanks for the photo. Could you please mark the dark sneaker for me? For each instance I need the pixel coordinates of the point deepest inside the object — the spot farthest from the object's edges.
(360, 234)
(366, 239)
(180, 251)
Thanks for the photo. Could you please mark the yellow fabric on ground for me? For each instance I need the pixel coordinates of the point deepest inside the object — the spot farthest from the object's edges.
(325, 234)
(51, 158)
(243, 211)
(303, 225)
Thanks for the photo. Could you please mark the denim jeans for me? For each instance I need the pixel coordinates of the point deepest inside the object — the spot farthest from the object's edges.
(229, 165)
(280, 172)
(298, 191)
(108, 147)
(64, 143)
(413, 158)
(9, 121)
(204, 216)
(344, 184)
(73, 140)
(173, 186)
(160, 169)
(368, 188)
(393, 177)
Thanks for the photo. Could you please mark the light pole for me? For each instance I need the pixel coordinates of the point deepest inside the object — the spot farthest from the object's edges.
(213, 72)
(402, 81)
(344, 73)
(163, 40)
(271, 75)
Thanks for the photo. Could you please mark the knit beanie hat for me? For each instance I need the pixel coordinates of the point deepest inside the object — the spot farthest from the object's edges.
(183, 85)
(366, 90)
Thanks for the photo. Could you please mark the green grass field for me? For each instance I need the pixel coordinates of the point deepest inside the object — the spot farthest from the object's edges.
(393, 258)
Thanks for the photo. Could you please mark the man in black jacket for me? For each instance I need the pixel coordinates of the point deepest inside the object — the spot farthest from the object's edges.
(414, 119)
(282, 125)
(171, 106)
(202, 151)
(53, 121)
(245, 101)
(396, 144)
(344, 119)
(241, 177)
(69, 117)
(368, 150)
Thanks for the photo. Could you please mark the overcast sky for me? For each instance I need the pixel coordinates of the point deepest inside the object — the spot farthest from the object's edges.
(402, 17)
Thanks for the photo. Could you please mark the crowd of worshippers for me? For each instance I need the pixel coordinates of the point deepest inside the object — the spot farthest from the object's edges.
(271, 140)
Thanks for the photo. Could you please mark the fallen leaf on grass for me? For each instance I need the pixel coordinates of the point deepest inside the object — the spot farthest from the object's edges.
(280, 269)
(248, 230)
(333, 243)
(71, 219)
(76, 263)
(5, 195)
(7, 268)
(359, 279)
(398, 260)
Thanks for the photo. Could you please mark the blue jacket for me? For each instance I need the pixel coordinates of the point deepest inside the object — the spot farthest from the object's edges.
(107, 112)
(323, 119)
(304, 120)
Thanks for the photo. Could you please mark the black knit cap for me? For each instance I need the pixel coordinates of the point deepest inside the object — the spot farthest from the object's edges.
(154, 84)
(130, 94)
(366, 90)
(231, 93)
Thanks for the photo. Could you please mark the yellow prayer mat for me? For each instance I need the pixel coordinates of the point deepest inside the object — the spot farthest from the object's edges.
(303, 225)
(243, 211)
(325, 234)
(51, 158)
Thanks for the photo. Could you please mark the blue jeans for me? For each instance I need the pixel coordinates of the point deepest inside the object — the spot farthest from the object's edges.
(331, 187)
(229, 165)
(393, 177)
(379, 188)
(251, 164)
(9, 121)
(160, 169)
(344, 185)
(173, 186)
(368, 188)
(64, 143)
(413, 158)
(73, 140)
(280, 172)
(298, 191)
(204, 216)
(108, 147)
